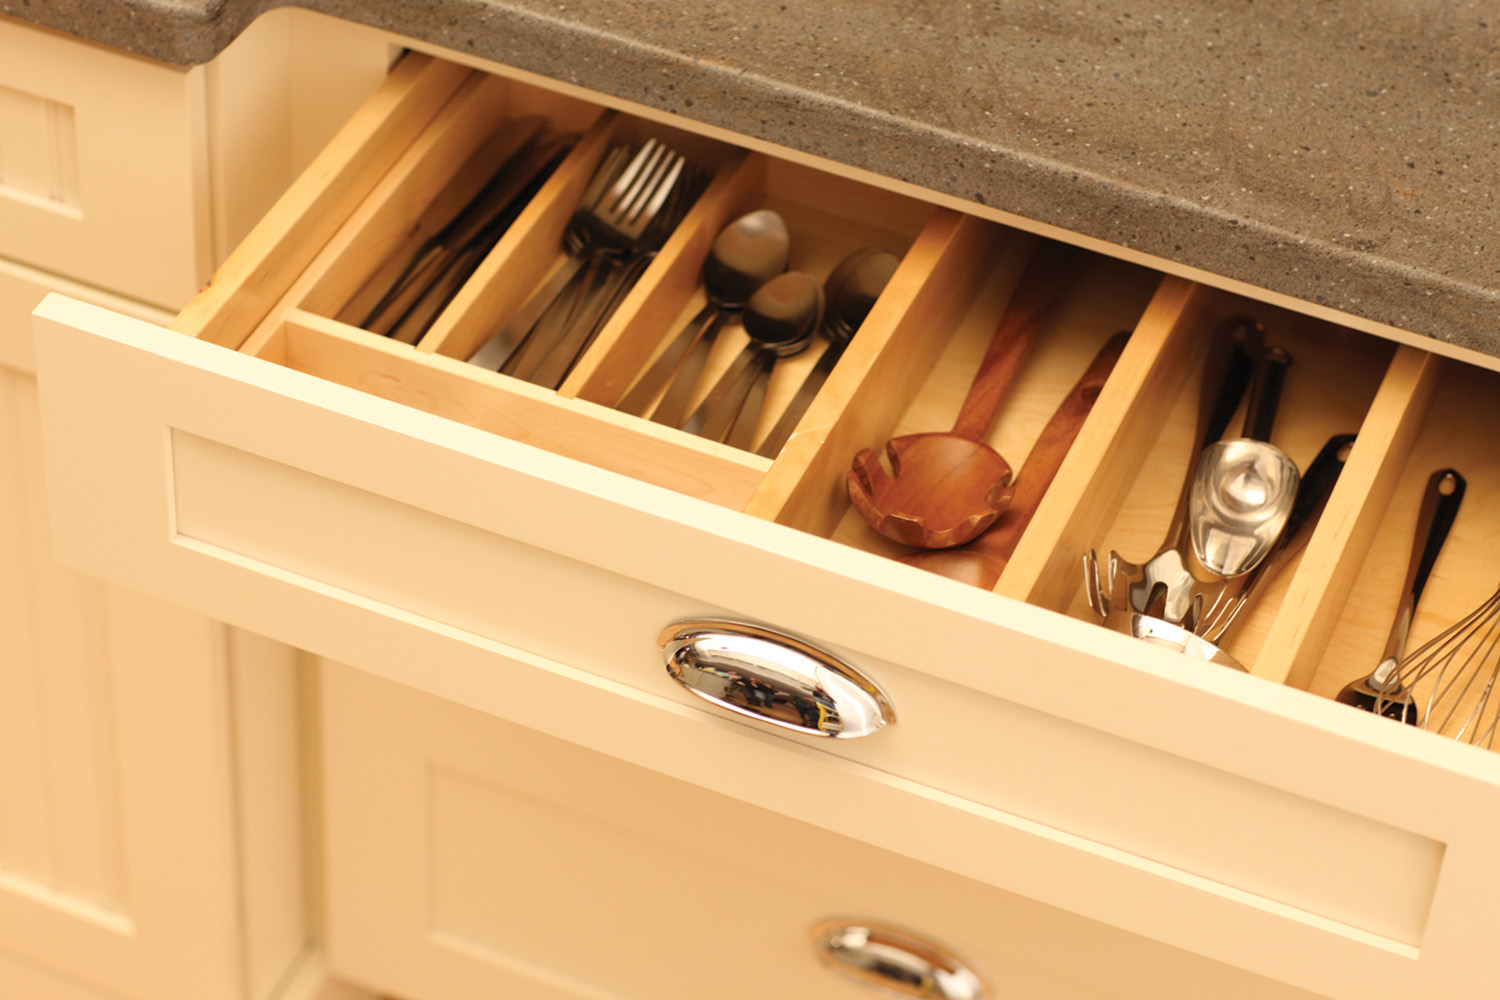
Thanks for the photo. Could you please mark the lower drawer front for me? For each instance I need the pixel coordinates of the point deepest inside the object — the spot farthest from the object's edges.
(470, 858)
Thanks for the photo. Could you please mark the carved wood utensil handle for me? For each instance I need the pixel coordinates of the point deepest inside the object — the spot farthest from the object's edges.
(1030, 306)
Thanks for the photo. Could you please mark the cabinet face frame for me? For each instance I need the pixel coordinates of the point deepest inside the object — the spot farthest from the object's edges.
(163, 451)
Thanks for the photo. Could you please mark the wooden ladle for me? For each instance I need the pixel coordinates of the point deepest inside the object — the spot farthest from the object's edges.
(946, 487)
(981, 561)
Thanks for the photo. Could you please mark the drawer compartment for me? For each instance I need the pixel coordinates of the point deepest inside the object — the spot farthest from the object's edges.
(518, 549)
(454, 874)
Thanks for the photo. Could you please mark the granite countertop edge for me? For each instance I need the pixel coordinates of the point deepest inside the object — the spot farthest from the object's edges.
(1296, 261)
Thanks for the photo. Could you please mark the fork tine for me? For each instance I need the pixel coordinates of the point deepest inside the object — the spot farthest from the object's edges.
(665, 184)
(628, 205)
(604, 175)
(657, 186)
(618, 191)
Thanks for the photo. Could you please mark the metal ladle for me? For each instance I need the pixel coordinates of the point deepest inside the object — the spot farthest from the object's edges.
(1312, 495)
(780, 319)
(1243, 490)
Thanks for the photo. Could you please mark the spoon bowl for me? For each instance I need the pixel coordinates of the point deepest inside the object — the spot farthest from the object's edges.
(780, 320)
(1244, 489)
(744, 255)
(849, 293)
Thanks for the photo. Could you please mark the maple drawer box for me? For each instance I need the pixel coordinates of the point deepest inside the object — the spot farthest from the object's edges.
(520, 550)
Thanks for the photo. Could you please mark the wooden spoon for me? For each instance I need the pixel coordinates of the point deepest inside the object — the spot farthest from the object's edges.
(947, 487)
(981, 561)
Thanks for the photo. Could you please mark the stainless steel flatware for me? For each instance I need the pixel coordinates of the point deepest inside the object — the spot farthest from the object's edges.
(745, 254)
(849, 293)
(1160, 585)
(780, 319)
(1382, 691)
(1244, 488)
(1206, 641)
(613, 216)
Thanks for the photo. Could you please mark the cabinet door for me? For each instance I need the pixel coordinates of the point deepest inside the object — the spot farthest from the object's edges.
(140, 854)
(103, 175)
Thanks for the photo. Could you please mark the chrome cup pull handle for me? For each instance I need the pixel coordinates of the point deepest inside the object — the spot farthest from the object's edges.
(895, 963)
(775, 678)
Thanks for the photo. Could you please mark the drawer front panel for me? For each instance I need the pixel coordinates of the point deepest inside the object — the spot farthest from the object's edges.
(532, 588)
(414, 563)
(70, 202)
(455, 873)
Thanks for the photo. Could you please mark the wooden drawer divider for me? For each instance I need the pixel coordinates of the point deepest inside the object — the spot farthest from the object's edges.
(277, 295)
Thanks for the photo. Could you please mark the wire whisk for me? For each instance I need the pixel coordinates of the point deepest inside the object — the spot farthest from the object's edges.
(1451, 680)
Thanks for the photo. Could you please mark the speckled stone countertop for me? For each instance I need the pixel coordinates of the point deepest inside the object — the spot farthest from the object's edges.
(1345, 154)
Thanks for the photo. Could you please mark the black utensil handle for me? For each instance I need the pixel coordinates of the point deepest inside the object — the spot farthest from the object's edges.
(1265, 393)
(1317, 485)
(1228, 371)
(1440, 502)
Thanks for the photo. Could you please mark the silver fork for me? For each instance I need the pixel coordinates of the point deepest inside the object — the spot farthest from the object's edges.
(613, 216)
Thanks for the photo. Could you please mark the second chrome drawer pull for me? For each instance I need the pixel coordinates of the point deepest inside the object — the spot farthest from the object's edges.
(895, 963)
(775, 678)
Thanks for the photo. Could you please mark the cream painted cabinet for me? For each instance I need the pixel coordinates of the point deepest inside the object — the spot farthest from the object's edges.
(478, 858)
(500, 564)
(152, 825)
(149, 816)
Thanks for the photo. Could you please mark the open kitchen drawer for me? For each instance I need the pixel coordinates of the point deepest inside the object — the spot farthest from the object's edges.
(519, 549)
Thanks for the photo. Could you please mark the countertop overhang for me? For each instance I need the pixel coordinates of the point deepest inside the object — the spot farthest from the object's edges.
(1345, 155)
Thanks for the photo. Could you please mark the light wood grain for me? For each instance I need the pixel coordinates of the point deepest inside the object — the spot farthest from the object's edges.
(379, 224)
(637, 331)
(1326, 572)
(1047, 565)
(1452, 432)
(523, 258)
(516, 410)
(279, 249)
(532, 248)
(883, 369)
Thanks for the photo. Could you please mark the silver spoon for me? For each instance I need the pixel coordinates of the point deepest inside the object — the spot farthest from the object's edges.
(1243, 490)
(745, 255)
(780, 319)
(850, 292)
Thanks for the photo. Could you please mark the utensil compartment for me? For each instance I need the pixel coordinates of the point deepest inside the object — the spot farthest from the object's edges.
(1128, 502)
(907, 366)
(1440, 419)
(906, 371)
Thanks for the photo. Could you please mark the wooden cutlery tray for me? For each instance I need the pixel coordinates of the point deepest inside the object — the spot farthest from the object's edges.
(1319, 624)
